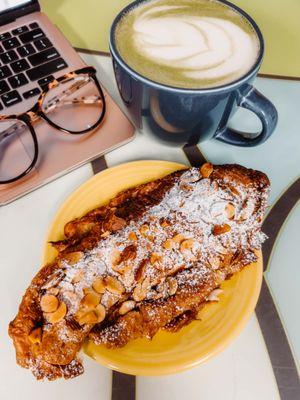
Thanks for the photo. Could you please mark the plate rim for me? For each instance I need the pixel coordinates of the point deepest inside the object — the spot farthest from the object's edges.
(172, 368)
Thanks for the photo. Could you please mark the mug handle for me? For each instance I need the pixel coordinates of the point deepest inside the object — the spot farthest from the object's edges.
(254, 101)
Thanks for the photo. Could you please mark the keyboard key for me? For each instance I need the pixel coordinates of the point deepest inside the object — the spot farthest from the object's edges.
(20, 30)
(44, 81)
(4, 36)
(43, 56)
(4, 87)
(42, 44)
(17, 80)
(31, 93)
(19, 66)
(31, 35)
(26, 50)
(9, 57)
(33, 25)
(5, 71)
(46, 69)
(11, 98)
(11, 43)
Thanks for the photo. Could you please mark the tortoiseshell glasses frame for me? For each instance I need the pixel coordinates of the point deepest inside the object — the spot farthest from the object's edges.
(40, 110)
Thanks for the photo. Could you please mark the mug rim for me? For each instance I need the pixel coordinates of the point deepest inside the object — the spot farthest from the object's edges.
(229, 86)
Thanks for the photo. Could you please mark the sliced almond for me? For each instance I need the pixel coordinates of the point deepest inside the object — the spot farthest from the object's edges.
(49, 303)
(87, 290)
(176, 269)
(57, 315)
(113, 285)
(187, 245)
(220, 276)
(186, 187)
(117, 223)
(100, 312)
(54, 279)
(214, 295)
(215, 262)
(109, 299)
(168, 244)
(190, 177)
(144, 229)
(162, 287)
(105, 234)
(220, 229)
(132, 236)
(206, 170)
(120, 268)
(115, 257)
(90, 317)
(35, 335)
(154, 258)
(155, 295)
(173, 285)
(73, 258)
(53, 290)
(91, 300)
(164, 223)
(138, 294)
(129, 253)
(178, 238)
(141, 290)
(230, 211)
(98, 285)
(229, 259)
(78, 277)
(140, 270)
(126, 307)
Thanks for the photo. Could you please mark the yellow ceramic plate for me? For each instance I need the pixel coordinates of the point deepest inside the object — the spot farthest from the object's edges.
(166, 352)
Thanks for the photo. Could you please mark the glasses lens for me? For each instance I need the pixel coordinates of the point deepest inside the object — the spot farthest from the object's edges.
(74, 105)
(16, 149)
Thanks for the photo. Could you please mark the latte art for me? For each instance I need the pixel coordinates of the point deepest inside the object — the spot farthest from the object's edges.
(201, 47)
(188, 45)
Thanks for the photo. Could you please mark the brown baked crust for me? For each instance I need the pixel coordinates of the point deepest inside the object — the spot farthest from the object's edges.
(89, 241)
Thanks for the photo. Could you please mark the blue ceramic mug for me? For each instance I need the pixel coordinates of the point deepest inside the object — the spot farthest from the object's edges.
(188, 116)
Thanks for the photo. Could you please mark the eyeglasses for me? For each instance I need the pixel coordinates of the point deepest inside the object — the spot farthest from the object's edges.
(73, 103)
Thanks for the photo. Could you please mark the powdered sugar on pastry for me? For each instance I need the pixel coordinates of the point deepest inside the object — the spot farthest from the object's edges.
(180, 238)
(172, 234)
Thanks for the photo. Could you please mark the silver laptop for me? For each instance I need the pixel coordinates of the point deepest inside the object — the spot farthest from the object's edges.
(33, 52)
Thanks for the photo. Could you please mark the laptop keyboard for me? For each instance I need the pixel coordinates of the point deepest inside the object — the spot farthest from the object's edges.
(26, 54)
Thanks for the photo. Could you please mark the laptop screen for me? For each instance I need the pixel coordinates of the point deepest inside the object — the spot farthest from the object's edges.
(7, 4)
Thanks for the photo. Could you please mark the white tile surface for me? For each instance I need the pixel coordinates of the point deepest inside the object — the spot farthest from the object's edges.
(242, 372)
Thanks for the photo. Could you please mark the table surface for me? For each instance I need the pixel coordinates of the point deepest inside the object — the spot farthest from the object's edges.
(86, 24)
(261, 364)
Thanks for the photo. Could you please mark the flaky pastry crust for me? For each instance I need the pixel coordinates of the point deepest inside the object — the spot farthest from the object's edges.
(147, 260)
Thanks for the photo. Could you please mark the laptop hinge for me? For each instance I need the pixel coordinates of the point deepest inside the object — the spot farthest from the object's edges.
(11, 15)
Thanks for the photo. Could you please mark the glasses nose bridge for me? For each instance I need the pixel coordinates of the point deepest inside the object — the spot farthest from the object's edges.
(32, 115)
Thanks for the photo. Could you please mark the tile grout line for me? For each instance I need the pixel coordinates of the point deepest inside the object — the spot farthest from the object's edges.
(275, 337)
(123, 386)
(268, 318)
(99, 164)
